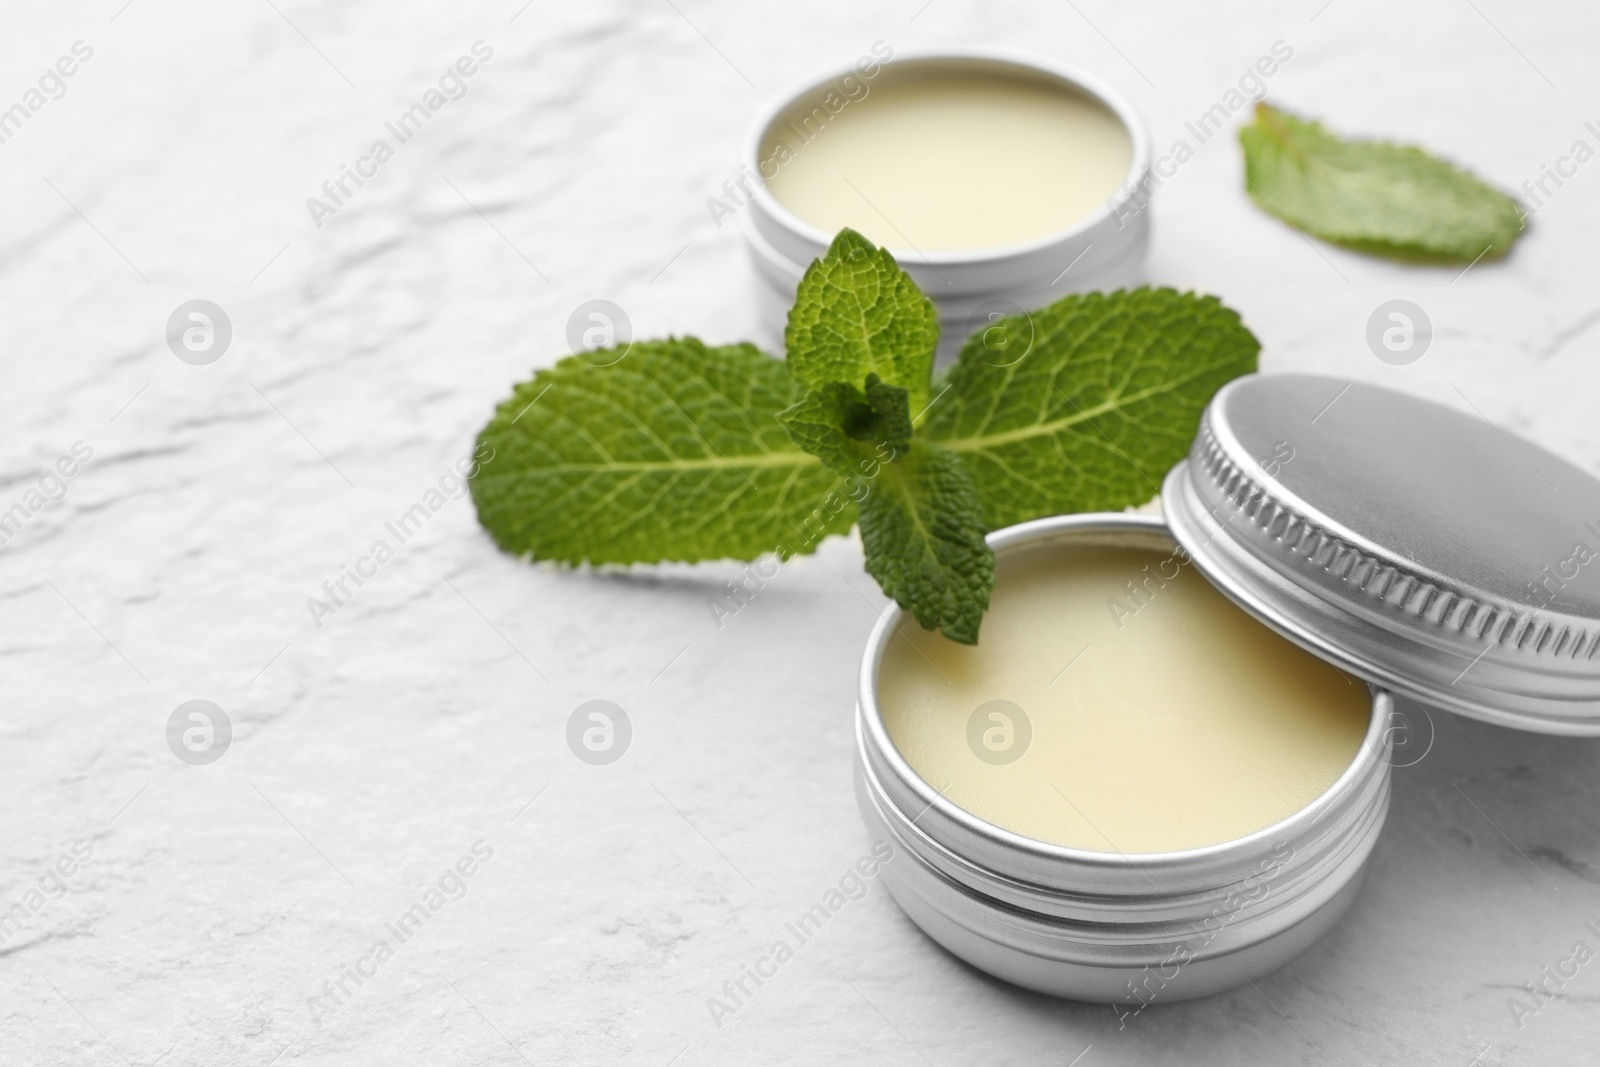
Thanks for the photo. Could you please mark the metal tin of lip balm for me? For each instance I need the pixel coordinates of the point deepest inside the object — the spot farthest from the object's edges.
(1103, 926)
(1411, 544)
(1105, 249)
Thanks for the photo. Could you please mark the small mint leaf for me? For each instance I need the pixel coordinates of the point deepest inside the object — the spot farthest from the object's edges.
(857, 313)
(1373, 196)
(817, 422)
(923, 531)
(891, 409)
(845, 428)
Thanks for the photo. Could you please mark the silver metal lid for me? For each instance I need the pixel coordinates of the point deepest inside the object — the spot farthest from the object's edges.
(1418, 547)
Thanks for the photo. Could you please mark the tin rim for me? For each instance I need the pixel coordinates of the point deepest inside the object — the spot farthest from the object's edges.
(771, 258)
(1072, 77)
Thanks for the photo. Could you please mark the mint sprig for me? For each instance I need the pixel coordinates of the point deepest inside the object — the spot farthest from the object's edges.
(1373, 196)
(679, 451)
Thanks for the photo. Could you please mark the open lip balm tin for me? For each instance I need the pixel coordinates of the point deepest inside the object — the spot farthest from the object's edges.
(1103, 248)
(1409, 544)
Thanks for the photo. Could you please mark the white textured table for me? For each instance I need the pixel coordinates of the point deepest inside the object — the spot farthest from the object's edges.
(371, 753)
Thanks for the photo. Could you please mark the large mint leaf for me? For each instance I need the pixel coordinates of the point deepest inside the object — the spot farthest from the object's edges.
(922, 528)
(1373, 196)
(857, 313)
(1087, 403)
(673, 452)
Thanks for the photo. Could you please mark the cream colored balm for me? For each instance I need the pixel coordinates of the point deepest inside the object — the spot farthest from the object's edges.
(947, 158)
(1117, 702)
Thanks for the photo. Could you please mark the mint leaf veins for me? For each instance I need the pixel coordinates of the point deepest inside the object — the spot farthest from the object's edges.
(671, 452)
(1104, 400)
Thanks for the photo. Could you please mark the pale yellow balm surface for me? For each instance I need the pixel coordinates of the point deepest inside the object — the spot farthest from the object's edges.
(1180, 722)
(948, 160)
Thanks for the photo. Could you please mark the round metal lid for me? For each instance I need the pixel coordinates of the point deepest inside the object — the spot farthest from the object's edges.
(1419, 547)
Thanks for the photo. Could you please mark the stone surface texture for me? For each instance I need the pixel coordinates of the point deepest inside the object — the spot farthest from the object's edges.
(371, 753)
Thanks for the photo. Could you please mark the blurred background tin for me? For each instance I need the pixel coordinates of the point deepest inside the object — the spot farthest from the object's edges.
(1105, 249)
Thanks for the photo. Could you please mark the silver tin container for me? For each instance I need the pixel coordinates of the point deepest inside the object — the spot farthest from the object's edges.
(1416, 546)
(1103, 250)
(1101, 926)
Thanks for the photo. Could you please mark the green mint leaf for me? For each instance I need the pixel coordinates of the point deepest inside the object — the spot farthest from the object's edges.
(891, 415)
(1373, 196)
(816, 422)
(922, 528)
(845, 427)
(857, 313)
(672, 452)
(1086, 404)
